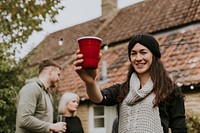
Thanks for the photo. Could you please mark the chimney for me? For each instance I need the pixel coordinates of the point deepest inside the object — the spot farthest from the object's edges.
(103, 78)
(104, 70)
(104, 66)
(108, 6)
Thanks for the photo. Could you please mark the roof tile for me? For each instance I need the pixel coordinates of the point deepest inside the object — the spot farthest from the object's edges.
(182, 61)
(180, 49)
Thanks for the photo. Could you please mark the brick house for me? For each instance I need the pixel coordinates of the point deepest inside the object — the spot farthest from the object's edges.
(174, 23)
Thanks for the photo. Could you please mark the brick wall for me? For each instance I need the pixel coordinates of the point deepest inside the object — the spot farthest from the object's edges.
(83, 115)
(192, 102)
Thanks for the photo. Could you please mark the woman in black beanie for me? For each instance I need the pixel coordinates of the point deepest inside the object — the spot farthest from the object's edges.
(149, 102)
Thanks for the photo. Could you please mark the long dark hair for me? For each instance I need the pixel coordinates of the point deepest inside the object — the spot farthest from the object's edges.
(163, 85)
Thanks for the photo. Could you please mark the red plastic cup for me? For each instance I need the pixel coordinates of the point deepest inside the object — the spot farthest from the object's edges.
(90, 47)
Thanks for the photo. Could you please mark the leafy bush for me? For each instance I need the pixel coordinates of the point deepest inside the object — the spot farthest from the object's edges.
(193, 123)
(19, 19)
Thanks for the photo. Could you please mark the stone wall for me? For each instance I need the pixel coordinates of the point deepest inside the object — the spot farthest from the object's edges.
(192, 102)
(83, 115)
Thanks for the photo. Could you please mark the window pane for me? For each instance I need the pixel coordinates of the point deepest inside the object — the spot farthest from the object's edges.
(98, 111)
(99, 122)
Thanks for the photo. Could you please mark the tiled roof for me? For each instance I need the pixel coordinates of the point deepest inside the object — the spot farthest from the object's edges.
(180, 49)
(150, 16)
(180, 55)
(49, 47)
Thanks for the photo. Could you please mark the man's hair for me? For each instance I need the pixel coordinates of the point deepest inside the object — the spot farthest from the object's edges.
(47, 63)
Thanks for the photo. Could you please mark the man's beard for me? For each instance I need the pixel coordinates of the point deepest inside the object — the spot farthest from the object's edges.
(53, 84)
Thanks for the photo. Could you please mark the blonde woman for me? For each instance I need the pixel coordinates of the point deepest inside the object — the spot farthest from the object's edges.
(68, 106)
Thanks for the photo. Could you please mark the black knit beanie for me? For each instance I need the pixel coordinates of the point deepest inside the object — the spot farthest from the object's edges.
(146, 40)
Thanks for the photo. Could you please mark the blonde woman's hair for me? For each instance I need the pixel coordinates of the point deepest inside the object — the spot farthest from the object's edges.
(65, 98)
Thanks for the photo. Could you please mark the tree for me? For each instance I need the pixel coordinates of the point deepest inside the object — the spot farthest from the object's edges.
(18, 18)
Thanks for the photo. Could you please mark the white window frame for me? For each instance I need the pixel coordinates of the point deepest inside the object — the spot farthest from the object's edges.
(110, 114)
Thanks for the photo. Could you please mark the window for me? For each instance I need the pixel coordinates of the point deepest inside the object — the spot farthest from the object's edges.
(98, 116)
(101, 118)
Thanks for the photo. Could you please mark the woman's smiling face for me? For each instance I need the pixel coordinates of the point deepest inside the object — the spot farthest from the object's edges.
(141, 59)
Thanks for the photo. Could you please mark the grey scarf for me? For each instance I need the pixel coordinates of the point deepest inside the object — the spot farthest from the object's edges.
(137, 114)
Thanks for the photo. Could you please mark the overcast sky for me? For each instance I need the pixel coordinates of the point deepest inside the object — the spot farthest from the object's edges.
(75, 12)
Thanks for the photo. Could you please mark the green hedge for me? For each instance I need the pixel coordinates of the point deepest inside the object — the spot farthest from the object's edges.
(193, 123)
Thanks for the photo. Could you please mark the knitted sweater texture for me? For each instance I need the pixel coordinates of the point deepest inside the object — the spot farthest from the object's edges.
(137, 114)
